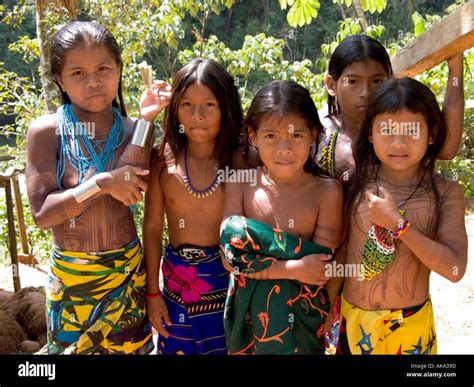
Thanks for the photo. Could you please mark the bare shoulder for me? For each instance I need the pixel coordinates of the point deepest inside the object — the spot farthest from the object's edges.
(43, 131)
(447, 188)
(44, 125)
(327, 185)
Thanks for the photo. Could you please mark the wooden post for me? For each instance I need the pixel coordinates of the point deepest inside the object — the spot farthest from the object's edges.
(450, 36)
(20, 215)
(12, 235)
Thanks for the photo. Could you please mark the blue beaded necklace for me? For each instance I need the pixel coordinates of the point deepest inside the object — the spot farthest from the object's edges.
(73, 140)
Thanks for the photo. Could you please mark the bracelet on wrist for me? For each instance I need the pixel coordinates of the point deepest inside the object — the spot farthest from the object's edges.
(402, 229)
(85, 190)
(153, 295)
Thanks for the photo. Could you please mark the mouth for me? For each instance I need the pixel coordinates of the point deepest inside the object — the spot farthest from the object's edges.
(361, 108)
(284, 162)
(398, 157)
(96, 96)
(197, 128)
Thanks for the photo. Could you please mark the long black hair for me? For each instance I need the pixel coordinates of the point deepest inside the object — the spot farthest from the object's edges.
(222, 85)
(393, 96)
(355, 48)
(279, 99)
(76, 34)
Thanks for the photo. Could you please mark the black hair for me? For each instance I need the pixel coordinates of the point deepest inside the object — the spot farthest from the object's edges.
(76, 34)
(222, 85)
(355, 48)
(393, 96)
(280, 98)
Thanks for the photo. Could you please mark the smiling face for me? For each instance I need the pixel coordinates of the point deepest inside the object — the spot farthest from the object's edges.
(400, 139)
(354, 87)
(199, 113)
(283, 144)
(90, 76)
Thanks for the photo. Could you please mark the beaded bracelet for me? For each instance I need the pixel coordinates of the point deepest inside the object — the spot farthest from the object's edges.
(153, 295)
(401, 230)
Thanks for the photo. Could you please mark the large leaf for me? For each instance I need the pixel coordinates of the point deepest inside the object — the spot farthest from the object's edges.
(301, 12)
(419, 23)
(367, 5)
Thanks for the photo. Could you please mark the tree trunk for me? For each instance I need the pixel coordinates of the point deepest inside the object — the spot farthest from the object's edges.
(360, 15)
(228, 22)
(49, 88)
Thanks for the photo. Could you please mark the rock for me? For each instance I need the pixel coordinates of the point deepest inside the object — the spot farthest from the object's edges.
(28, 307)
(11, 335)
(30, 347)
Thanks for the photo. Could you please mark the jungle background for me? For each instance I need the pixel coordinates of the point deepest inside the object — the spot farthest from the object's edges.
(256, 40)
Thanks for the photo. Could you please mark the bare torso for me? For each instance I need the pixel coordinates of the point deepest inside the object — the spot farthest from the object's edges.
(405, 282)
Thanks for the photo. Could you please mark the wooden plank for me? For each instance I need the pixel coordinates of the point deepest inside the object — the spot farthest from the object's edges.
(20, 215)
(445, 39)
(12, 237)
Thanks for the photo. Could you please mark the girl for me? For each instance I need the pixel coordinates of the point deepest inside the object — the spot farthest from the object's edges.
(83, 171)
(274, 231)
(405, 221)
(357, 67)
(201, 134)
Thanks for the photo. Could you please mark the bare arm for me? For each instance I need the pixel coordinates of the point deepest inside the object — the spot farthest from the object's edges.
(153, 229)
(51, 207)
(453, 108)
(448, 255)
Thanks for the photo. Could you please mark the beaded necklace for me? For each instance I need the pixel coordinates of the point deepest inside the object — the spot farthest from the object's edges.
(203, 193)
(380, 243)
(73, 140)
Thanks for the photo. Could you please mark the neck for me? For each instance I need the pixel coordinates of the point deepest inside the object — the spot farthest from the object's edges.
(407, 177)
(276, 181)
(349, 127)
(200, 151)
(103, 120)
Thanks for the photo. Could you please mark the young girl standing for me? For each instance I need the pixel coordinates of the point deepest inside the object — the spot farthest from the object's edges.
(357, 67)
(405, 221)
(86, 165)
(278, 234)
(202, 127)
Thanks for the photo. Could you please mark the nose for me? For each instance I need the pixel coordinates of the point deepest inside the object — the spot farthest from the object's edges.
(365, 90)
(197, 114)
(283, 147)
(398, 141)
(93, 82)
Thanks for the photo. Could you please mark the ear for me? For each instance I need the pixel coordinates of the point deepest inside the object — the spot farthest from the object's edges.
(370, 137)
(252, 137)
(330, 85)
(430, 140)
(60, 82)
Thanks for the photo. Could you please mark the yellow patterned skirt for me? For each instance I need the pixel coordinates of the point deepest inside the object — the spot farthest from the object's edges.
(96, 302)
(408, 331)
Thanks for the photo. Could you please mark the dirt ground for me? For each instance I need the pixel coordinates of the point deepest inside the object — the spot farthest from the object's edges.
(453, 302)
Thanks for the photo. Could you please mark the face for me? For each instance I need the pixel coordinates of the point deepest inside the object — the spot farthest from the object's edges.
(90, 76)
(199, 113)
(354, 86)
(400, 139)
(283, 145)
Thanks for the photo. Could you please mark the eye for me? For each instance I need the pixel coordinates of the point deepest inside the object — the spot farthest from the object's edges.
(297, 135)
(210, 104)
(103, 68)
(378, 81)
(352, 81)
(77, 73)
(185, 104)
(269, 136)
